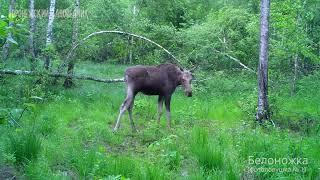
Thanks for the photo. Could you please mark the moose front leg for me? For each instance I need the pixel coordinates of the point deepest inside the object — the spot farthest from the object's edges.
(167, 102)
(160, 105)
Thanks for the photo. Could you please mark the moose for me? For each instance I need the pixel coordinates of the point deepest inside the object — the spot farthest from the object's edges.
(160, 80)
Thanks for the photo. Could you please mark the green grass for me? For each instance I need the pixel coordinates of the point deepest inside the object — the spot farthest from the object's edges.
(25, 146)
(209, 153)
(67, 133)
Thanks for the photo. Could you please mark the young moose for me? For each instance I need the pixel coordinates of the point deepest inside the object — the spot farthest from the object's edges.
(160, 80)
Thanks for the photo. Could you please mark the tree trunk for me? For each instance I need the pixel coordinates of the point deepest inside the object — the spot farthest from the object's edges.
(49, 32)
(263, 106)
(296, 57)
(295, 75)
(130, 49)
(130, 38)
(128, 59)
(68, 81)
(6, 46)
(32, 27)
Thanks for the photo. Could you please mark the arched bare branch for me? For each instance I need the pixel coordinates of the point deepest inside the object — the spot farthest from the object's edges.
(114, 32)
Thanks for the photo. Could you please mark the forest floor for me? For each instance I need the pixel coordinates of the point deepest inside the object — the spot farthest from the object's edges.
(67, 133)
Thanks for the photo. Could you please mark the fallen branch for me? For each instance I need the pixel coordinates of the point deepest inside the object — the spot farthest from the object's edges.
(236, 60)
(56, 75)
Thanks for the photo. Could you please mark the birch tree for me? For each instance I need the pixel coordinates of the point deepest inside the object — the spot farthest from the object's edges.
(49, 33)
(263, 106)
(68, 81)
(295, 74)
(6, 47)
(130, 38)
(32, 22)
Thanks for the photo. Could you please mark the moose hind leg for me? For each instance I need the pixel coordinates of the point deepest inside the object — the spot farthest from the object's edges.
(125, 105)
(130, 116)
(160, 106)
(123, 109)
(167, 103)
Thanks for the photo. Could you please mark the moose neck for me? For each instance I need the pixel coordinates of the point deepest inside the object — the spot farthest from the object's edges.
(179, 77)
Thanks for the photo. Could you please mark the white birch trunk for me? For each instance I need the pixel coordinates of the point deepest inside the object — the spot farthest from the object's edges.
(263, 106)
(295, 75)
(49, 31)
(68, 81)
(130, 49)
(32, 28)
(130, 38)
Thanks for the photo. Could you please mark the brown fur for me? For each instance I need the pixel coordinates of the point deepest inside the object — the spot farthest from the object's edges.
(160, 80)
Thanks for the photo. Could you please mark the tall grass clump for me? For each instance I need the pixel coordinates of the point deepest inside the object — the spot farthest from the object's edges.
(25, 146)
(155, 173)
(41, 170)
(119, 167)
(207, 152)
(83, 162)
(126, 167)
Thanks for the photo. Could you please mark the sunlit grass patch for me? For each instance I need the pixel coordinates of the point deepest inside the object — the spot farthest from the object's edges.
(225, 111)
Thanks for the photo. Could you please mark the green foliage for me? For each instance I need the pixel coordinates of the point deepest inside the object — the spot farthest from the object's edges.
(300, 112)
(212, 133)
(25, 146)
(208, 154)
(49, 50)
(226, 31)
(3, 25)
(67, 133)
(168, 150)
(41, 170)
(17, 29)
(128, 168)
(198, 32)
(3, 30)
(291, 38)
